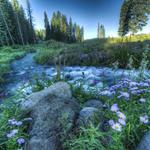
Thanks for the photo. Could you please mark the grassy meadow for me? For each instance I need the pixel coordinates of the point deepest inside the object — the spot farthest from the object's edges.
(96, 52)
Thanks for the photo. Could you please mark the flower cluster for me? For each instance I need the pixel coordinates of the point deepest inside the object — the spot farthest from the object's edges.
(14, 122)
(15, 132)
(126, 91)
(121, 118)
(144, 119)
(12, 133)
(21, 141)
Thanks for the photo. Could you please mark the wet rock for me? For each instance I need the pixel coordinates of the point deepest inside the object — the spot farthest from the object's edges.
(68, 77)
(94, 103)
(53, 110)
(99, 85)
(145, 142)
(88, 116)
(21, 73)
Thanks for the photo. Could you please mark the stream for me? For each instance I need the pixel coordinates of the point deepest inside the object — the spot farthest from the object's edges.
(25, 69)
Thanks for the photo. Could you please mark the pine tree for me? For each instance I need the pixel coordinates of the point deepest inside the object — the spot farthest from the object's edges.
(65, 30)
(82, 34)
(78, 33)
(133, 16)
(98, 31)
(56, 26)
(70, 40)
(102, 31)
(140, 9)
(58, 33)
(16, 10)
(74, 36)
(47, 27)
(53, 26)
(6, 21)
(125, 16)
(24, 25)
(31, 27)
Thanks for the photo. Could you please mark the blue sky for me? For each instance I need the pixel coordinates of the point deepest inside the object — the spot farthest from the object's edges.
(85, 12)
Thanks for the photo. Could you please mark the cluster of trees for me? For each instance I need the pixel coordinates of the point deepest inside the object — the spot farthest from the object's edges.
(60, 29)
(40, 34)
(15, 26)
(100, 31)
(134, 16)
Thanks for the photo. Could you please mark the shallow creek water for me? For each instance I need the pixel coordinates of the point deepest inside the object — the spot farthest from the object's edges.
(24, 70)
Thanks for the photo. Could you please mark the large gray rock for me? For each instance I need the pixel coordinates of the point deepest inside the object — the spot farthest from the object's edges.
(145, 142)
(88, 116)
(53, 111)
(94, 103)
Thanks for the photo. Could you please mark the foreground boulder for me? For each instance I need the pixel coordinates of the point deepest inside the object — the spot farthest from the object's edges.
(53, 111)
(145, 142)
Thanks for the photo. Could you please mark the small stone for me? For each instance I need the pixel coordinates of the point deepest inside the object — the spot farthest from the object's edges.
(88, 116)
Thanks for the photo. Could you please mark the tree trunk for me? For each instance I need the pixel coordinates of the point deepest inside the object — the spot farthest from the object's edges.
(20, 32)
(7, 41)
(1, 42)
(6, 26)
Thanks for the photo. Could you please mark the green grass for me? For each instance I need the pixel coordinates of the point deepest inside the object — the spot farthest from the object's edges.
(8, 54)
(96, 52)
(92, 138)
(10, 110)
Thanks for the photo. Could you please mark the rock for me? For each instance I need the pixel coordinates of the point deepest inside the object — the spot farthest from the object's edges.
(53, 111)
(145, 142)
(94, 103)
(68, 77)
(46, 144)
(88, 116)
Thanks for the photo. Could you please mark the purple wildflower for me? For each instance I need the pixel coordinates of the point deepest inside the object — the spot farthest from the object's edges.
(19, 123)
(114, 107)
(117, 126)
(12, 133)
(14, 122)
(126, 95)
(21, 141)
(111, 122)
(122, 121)
(144, 119)
(132, 83)
(121, 115)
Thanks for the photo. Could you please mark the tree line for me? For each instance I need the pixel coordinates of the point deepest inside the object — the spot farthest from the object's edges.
(134, 16)
(60, 29)
(15, 26)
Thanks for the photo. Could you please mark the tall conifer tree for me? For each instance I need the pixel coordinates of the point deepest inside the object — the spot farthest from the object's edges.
(31, 26)
(47, 27)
